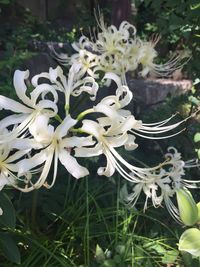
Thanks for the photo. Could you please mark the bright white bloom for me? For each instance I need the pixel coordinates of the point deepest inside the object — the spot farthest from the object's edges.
(161, 185)
(1, 211)
(32, 106)
(119, 51)
(57, 146)
(88, 62)
(8, 166)
(147, 54)
(74, 85)
(113, 107)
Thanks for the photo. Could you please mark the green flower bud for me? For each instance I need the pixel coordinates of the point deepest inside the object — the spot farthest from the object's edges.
(198, 207)
(187, 207)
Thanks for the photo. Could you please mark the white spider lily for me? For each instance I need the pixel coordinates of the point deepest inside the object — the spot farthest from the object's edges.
(106, 144)
(147, 54)
(112, 40)
(57, 146)
(8, 166)
(162, 184)
(112, 106)
(74, 85)
(32, 106)
(89, 63)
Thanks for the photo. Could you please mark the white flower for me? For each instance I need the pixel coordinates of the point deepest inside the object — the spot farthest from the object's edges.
(57, 146)
(106, 142)
(1, 211)
(74, 85)
(8, 166)
(113, 107)
(161, 185)
(89, 63)
(32, 106)
(146, 57)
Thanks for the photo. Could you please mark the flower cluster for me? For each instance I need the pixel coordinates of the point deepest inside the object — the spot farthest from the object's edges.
(44, 130)
(161, 185)
(119, 51)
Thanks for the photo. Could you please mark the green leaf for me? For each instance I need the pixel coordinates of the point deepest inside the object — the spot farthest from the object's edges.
(8, 218)
(120, 249)
(109, 263)
(170, 256)
(190, 242)
(192, 7)
(193, 100)
(197, 137)
(9, 248)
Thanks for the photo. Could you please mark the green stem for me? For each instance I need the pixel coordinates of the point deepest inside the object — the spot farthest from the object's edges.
(87, 229)
(58, 118)
(34, 209)
(84, 113)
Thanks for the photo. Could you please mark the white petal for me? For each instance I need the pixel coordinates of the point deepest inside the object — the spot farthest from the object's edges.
(12, 120)
(88, 152)
(5, 180)
(20, 86)
(75, 141)
(64, 127)
(117, 141)
(107, 110)
(41, 130)
(114, 77)
(56, 74)
(43, 88)
(25, 143)
(17, 155)
(124, 99)
(108, 170)
(72, 165)
(45, 171)
(93, 128)
(27, 164)
(130, 144)
(10, 104)
(48, 104)
(35, 79)
(10, 136)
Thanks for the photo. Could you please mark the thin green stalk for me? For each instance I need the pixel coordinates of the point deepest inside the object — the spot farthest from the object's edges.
(117, 209)
(87, 228)
(34, 209)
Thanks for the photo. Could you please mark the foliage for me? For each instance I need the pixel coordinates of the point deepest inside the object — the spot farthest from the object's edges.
(177, 22)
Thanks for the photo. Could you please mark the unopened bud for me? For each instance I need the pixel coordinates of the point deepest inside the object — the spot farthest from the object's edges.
(187, 207)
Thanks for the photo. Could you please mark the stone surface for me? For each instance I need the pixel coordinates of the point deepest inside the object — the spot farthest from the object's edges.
(39, 63)
(154, 91)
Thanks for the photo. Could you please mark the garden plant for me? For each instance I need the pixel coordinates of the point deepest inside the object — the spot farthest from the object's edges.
(76, 189)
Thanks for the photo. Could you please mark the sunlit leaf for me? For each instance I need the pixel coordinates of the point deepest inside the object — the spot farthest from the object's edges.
(197, 137)
(190, 241)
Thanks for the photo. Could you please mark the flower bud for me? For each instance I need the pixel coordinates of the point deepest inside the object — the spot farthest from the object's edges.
(198, 207)
(187, 207)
